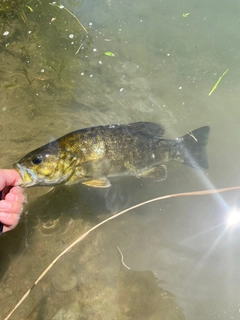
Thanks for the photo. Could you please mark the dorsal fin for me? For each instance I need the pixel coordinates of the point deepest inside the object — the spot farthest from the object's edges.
(148, 128)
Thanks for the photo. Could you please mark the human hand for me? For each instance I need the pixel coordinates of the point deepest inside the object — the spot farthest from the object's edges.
(11, 204)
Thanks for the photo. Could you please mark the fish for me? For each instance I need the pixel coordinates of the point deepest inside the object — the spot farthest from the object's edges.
(93, 155)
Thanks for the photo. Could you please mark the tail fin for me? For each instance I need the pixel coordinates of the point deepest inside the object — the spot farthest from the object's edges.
(193, 148)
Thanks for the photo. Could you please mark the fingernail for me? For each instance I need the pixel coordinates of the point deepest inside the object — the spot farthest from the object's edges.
(17, 190)
(5, 204)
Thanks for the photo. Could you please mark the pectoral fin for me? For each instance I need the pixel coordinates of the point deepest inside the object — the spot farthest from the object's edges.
(91, 170)
(98, 183)
(158, 173)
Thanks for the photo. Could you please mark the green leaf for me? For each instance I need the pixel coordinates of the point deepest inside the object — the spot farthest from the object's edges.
(217, 83)
(11, 85)
(109, 54)
(29, 8)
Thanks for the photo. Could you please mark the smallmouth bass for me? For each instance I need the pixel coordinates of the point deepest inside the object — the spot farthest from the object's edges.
(91, 155)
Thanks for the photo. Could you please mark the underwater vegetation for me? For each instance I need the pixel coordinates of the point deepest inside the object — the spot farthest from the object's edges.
(36, 60)
(12, 9)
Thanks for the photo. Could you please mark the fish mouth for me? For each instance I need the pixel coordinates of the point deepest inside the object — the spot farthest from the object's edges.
(28, 176)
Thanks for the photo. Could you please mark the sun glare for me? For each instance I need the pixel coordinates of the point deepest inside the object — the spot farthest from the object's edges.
(233, 218)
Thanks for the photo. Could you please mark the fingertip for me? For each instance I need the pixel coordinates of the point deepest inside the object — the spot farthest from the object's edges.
(8, 219)
(17, 190)
(17, 177)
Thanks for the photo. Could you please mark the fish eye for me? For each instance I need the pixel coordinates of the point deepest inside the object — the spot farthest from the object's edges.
(37, 160)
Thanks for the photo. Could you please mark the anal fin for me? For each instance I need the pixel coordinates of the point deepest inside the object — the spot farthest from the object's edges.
(158, 173)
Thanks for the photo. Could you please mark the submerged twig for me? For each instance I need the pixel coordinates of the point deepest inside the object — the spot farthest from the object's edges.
(79, 48)
(82, 26)
(76, 19)
(185, 194)
(123, 263)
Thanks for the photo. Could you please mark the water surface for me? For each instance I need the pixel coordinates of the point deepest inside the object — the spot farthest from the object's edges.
(56, 78)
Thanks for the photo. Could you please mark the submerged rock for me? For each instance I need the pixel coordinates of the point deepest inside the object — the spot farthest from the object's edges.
(63, 278)
(70, 312)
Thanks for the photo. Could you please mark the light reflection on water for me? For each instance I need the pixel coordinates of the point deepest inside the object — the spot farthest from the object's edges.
(183, 242)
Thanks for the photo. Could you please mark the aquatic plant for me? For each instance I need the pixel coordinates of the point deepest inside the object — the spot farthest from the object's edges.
(12, 9)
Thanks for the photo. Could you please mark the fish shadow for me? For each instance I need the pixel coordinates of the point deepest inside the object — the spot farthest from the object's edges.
(140, 296)
(54, 211)
(79, 201)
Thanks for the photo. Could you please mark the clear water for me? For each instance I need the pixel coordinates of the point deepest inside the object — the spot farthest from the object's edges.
(163, 70)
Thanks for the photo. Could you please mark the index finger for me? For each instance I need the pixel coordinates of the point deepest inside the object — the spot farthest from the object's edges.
(9, 177)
